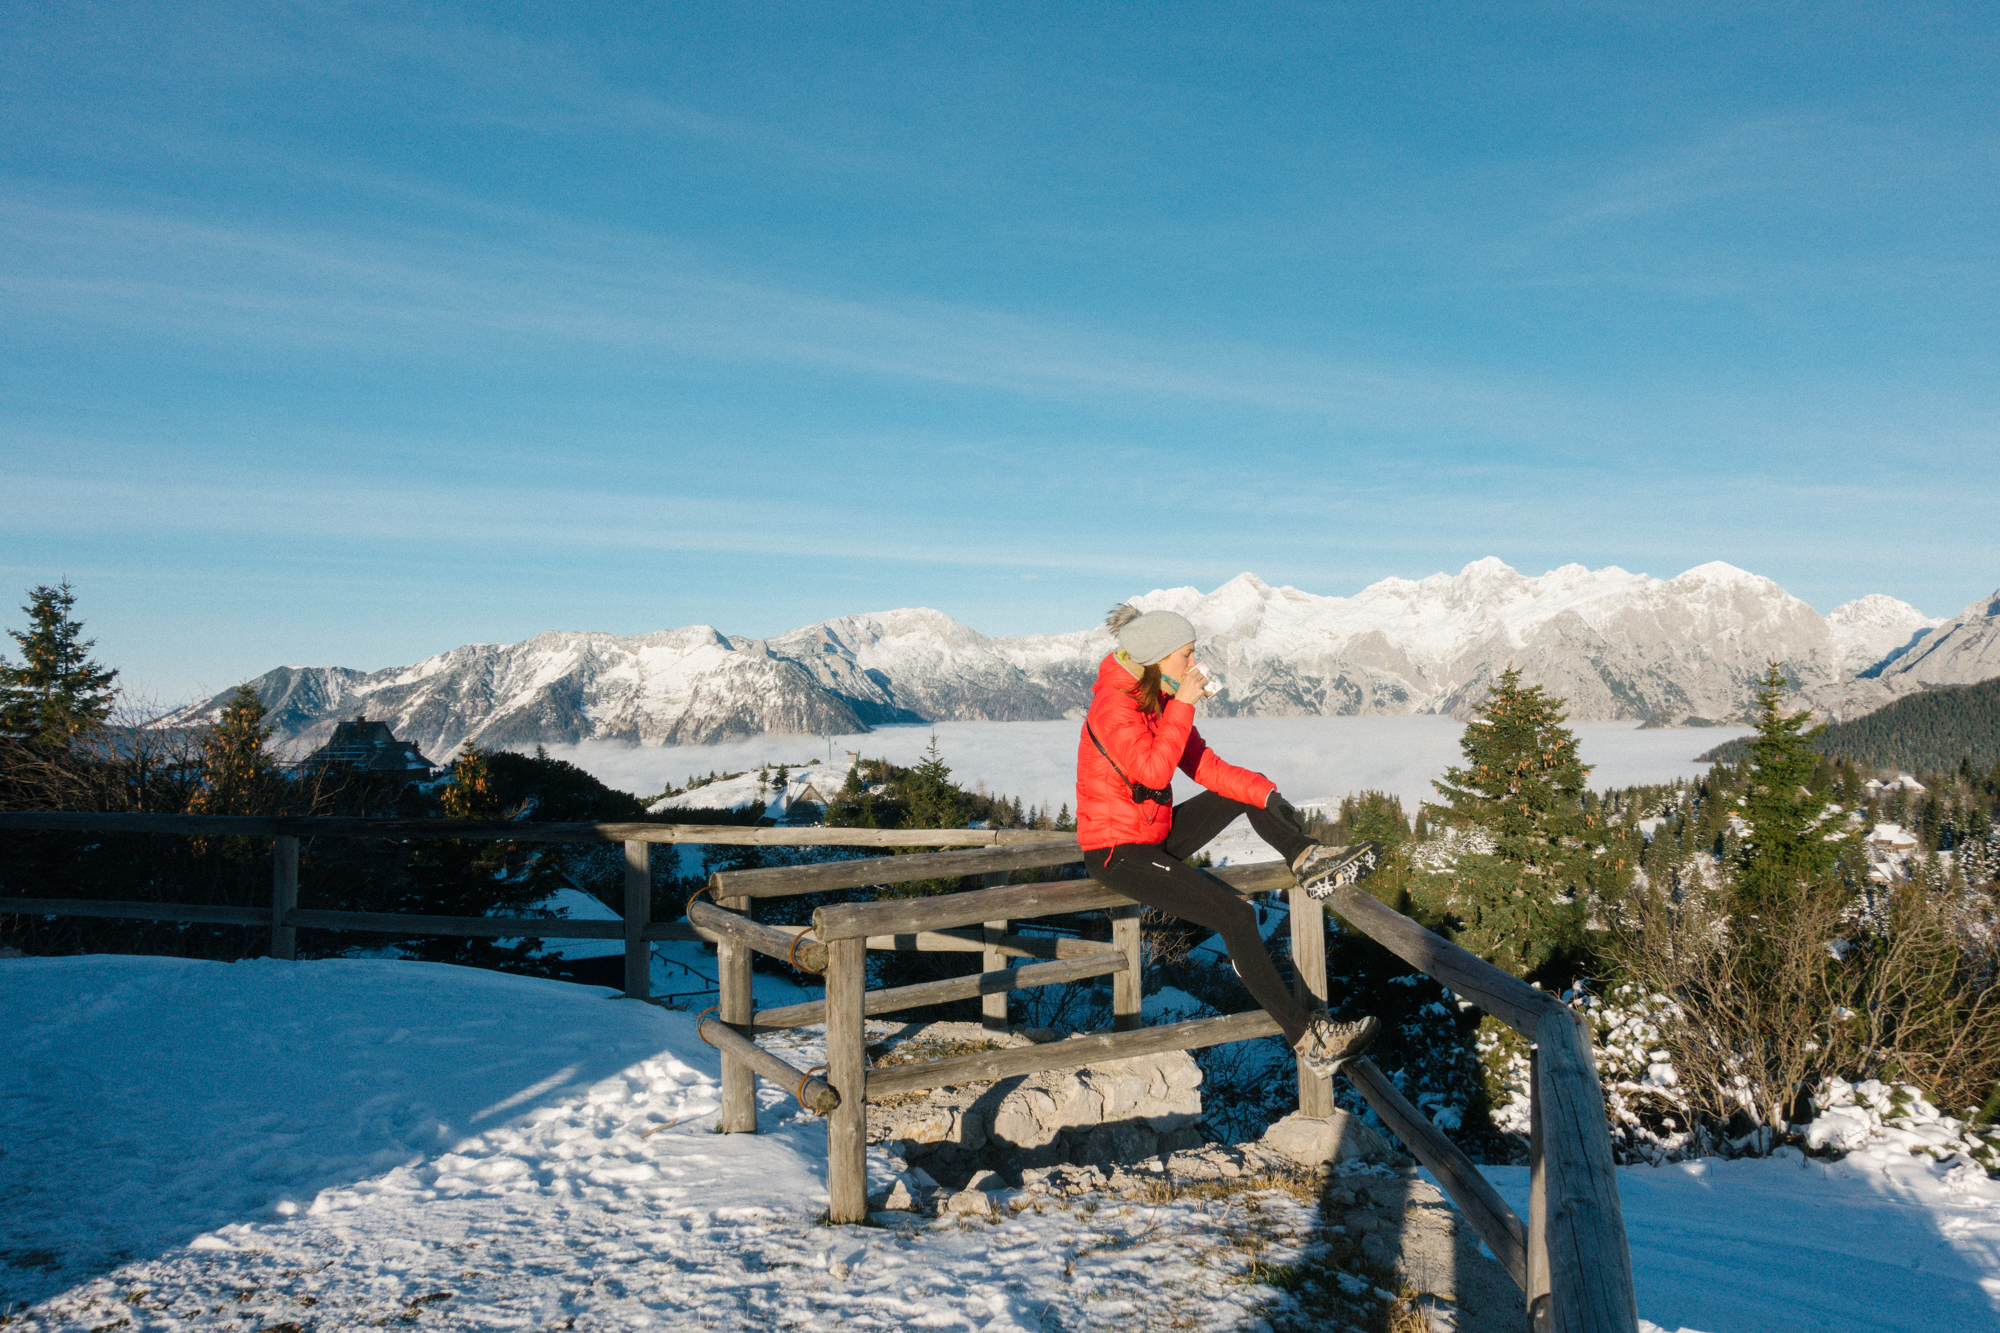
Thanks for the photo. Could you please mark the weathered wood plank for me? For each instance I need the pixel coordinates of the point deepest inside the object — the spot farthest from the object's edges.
(1589, 1261)
(284, 897)
(779, 942)
(812, 1093)
(898, 998)
(1537, 1289)
(301, 826)
(736, 1003)
(1128, 986)
(219, 916)
(1508, 998)
(1474, 1195)
(847, 1070)
(909, 916)
(790, 881)
(385, 923)
(993, 1003)
(1013, 946)
(638, 915)
(991, 1066)
(1308, 925)
(475, 927)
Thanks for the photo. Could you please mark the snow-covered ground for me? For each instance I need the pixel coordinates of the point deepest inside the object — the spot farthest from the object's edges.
(313, 1145)
(1312, 759)
(266, 1145)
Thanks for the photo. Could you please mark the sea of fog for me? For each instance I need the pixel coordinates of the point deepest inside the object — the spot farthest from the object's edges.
(1313, 760)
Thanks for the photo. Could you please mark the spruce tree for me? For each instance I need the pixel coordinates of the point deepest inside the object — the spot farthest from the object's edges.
(239, 774)
(1518, 901)
(57, 694)
(933, 801)
(1788, 845)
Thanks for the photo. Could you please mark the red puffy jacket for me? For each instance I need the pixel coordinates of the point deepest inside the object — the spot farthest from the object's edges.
(1149, 747)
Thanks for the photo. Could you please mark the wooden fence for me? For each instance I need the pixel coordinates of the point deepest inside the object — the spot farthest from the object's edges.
(1570, 1259)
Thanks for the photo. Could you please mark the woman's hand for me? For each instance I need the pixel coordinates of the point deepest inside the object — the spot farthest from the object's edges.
(1194, 686)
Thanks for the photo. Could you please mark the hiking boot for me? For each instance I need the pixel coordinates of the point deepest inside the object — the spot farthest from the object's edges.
(1321, 869)
(1328, 1045)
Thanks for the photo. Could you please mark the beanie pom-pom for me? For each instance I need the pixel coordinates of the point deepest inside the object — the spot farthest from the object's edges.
(1121, 615)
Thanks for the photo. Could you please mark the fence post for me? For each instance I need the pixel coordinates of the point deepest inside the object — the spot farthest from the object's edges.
(1128, 986)
(738, 1005)
(284, 896)
(1537, 1292)
(993, 1008)
(1309, 965)
(1589, 1262)
(847, 1071)
(638, 915)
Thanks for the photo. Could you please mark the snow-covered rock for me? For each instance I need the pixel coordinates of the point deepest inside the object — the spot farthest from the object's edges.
(1871, 632)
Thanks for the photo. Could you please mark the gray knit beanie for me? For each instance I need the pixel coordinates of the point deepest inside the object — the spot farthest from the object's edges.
(1148, 638)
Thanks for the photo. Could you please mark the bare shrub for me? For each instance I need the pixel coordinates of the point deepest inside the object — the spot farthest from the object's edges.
(1809, 987)
(1758, 997)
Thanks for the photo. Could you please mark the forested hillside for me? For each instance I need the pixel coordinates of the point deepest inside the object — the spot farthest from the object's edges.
(1931, 731)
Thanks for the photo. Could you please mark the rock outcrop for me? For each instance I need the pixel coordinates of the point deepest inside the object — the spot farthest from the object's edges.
(1099, 1114)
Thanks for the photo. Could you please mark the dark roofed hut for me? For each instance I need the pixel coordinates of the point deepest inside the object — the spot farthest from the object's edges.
(370, 747)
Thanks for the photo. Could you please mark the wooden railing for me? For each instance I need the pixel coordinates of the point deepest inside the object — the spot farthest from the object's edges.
(1570, 1259)
(285, 917)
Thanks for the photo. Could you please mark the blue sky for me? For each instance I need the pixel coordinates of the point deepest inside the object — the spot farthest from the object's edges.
(347, 334)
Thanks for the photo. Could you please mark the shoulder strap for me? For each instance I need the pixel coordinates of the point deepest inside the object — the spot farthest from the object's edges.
(1140, 793)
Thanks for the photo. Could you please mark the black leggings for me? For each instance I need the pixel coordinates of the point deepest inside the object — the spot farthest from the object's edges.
(1158, 875)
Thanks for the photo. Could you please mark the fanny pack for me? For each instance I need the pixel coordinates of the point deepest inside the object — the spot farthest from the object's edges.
(1141, 793)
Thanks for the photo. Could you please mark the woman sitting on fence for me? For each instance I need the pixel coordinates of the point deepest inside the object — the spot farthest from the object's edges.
(1140, 728)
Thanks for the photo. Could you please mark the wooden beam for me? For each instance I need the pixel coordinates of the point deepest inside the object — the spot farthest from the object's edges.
(219, 916)
(1508, 998)
(1128, 986)
(1469, 1189)
(1589, 1261)
(1308, 922)
(847, 1070)
(284, 897)
(896, 999)
(1013, 946)
(311, 826)
(638, 915)
(909, 916)
(1537, 1288)
(901, 916)
(479, 927)
(825, 876)
(993, 1001)
(736, 1002)
(812, 1093)
(991, 1066)
(784, 943)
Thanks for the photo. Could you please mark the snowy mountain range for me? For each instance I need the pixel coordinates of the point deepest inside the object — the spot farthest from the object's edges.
(1613, 643)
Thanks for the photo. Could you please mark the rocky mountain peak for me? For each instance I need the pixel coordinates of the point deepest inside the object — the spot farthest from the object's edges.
(1614, 644)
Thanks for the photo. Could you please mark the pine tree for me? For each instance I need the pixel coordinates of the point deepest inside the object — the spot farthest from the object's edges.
(1521, 789)
(928, 791)
(1788, 845)
(57, 694)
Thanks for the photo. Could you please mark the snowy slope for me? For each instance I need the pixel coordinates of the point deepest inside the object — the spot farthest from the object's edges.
(1616, 645)
(355, 1143)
